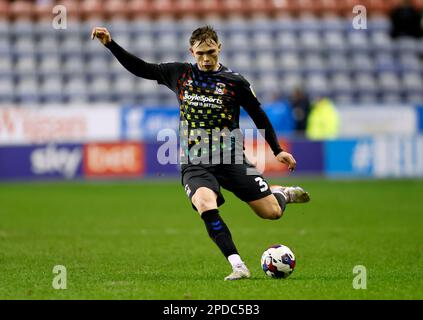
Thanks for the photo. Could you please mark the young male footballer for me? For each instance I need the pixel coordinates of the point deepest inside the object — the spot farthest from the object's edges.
(210, 96)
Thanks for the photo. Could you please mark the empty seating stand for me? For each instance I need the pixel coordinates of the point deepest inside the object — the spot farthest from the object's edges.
(276, 44)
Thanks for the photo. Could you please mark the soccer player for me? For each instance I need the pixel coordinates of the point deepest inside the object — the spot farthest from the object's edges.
(210, 96)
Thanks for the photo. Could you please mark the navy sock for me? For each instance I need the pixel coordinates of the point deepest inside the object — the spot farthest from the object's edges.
(281, 200)
(219, 232)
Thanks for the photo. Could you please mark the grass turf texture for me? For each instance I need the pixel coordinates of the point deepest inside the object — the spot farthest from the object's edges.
(143, 241)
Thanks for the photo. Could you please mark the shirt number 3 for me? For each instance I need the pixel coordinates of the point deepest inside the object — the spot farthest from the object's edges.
(262, 184)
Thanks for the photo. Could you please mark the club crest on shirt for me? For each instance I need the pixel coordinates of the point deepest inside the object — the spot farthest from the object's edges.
(220, 87)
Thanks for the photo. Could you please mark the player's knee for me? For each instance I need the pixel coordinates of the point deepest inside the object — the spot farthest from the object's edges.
(275, 211)
(204, 199)
(204, 204)
(272, 211)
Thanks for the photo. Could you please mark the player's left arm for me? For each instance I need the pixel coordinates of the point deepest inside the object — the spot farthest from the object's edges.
(261, 120)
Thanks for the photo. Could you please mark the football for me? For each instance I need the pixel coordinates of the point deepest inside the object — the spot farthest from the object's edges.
(278, 261)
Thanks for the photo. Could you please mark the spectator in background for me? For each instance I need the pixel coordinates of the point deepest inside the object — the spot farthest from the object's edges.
(405, 20)
(323, 121)
(300, 104)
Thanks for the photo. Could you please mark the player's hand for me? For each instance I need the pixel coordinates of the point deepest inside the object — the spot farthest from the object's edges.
(287, 159)
(101, 34)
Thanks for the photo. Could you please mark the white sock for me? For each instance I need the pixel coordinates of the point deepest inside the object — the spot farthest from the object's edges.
(235, 260)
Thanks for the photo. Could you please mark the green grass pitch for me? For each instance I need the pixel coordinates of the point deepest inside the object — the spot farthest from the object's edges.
(141, 240)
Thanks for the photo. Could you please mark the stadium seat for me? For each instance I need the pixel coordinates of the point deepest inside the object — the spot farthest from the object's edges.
(289, 62)
(51, 90)
(25, 64)
(409, 62)
(334, 41)
(263, 40)
(341, 83)
(123, 85)
(384, 61)
(240, 61)
(389, 82)
(338, 62)
(381, 41)
(6, 66)
(7, 89)
(365, 83)
(313, 62)
(412, 82)
(24, 44)
(286, 40)
(27, 91)
(49, 64)
(406, 44)
(76, 90)
(73, 65)
(48, 45)
(317, 85)
(267, 86)
(310, 40)
(97, 66)
(265, 61)
(362, 62)
(357, 40)
(290, 82)
(99, 89)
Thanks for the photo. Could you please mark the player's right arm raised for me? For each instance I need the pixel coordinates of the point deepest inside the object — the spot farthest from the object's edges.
(164, 73)
(132, 63)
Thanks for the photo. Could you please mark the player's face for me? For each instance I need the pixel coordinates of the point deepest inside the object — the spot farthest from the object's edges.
(206, 55)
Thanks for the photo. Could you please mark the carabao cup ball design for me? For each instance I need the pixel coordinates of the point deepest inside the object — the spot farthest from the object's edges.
(278, 261)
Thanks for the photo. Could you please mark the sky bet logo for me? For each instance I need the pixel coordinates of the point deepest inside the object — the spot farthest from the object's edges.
(54, 160)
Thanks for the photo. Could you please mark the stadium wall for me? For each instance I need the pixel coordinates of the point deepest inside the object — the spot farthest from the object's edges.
(107, 141)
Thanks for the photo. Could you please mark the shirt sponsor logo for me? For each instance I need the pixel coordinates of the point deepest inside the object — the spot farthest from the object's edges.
(201, 98)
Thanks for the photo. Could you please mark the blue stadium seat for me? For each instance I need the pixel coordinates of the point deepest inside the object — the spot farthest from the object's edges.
(313, 62)
(358, 40)
(310, 40)
(381, 41)
(337, 62)
(289, 62)
(27, 91)
(286, 41)
(265, 61)
(362, 62)
(6, 66)
(25, 65)
(365, 83)
(317, 85)
(263, 40)
(341, 83)
(389, 82)
(76, 89)
(51, 90)
(7, 89)
(334, 41)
